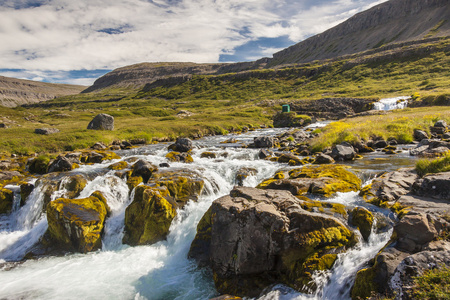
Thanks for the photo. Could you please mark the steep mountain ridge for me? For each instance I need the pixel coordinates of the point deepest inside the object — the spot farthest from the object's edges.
(383, 29)
(391, 22)
(15, 92)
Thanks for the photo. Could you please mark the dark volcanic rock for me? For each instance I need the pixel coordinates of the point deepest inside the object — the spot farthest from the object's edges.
(332, 108)
(420, 135)
(323, 159)
(143, 169)
(102, 122)
(253, 238)
(263, 142)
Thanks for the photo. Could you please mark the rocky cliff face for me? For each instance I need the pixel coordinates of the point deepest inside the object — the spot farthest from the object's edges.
(14, 92)
(395, 21)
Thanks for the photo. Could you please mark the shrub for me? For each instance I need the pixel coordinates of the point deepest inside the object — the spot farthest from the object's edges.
(433, 284)
(427, 166)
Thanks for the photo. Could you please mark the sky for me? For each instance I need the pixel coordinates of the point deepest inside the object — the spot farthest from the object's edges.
(77, 41)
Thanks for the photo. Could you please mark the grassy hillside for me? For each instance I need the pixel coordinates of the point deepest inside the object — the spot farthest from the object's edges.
(225, 102)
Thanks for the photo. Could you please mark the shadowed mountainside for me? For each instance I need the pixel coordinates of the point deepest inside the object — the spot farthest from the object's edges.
(15, 92)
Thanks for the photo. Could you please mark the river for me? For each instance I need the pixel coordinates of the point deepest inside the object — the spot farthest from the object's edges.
(162, 270)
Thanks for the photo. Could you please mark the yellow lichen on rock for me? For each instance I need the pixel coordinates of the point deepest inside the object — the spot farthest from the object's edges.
(148, 217)
(118, 165)
(6, 200)
(77, 224)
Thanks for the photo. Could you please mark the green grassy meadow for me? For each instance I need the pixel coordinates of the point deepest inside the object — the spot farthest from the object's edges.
(224, 103)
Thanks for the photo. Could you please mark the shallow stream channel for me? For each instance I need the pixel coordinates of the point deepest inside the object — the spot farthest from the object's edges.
(163, 270)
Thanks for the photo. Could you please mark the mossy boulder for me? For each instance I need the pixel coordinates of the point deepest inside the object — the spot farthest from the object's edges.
(364, 284)
(144, 169)
(207, 154)
(77, 224)
(118, 166)
(134, 181)
(6, 200)
(73, 185)
(25, 191)
(148, 217)
(363, 220)
(254, 238)
(179, 157)
(39, 165)
(183, 185)
(325, 180)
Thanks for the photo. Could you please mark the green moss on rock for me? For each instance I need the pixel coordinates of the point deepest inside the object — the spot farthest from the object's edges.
(118, 165)
(148, 217)
(74, 185)
(134, 181)
(77, 224)
(363, 219)
(6, 200)
(365, 284)
(39, 165)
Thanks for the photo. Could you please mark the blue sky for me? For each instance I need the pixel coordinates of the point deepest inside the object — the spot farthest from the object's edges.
(69, 41)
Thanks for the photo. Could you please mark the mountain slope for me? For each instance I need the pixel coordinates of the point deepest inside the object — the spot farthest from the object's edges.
(15, 92)
(395, 21)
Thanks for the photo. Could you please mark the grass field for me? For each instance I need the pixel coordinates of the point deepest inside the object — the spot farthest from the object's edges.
(228, 102)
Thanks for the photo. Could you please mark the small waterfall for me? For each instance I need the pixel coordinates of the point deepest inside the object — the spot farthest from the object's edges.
(161, 270)
(392, 103)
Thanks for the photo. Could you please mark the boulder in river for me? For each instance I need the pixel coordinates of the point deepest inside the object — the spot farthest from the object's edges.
(144, 169)
(342, 152)
(6, 200)
(60, 164)
(102, 122)
(325, 180)
(182, 145)
(179, 157)
(254, 238)
(77, 224)
(148, 217)
(420, 135)
(183, 184)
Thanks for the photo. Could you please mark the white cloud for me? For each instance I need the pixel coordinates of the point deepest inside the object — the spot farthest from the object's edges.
(64, 35)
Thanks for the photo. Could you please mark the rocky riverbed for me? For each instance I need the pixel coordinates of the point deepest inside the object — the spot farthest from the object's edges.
(251, 211)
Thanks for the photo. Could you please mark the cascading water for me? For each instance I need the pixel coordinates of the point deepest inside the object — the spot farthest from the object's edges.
(159, 271)
(391, 103)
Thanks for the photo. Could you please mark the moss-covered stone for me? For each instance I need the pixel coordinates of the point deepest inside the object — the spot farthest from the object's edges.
(363, 219)
(148, 217)
(6, 200)
(179, 157)
(118, 165)
(338, 178)
(74, 185)
(207, 154)
(25, 191)
(328, 208)
(134, 181)
(182, 184)
(202, 242)
(365, 284)
(39, 165)
(77, 224)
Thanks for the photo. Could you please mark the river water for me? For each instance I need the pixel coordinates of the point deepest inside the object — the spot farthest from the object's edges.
(162, 270)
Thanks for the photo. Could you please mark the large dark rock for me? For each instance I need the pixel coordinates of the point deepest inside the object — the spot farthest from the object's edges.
(441, 123)
(420, 135)
(144, 169)
(102, 122)
(342, 152)
(60, 164)
(254, 238)
(263, 142)
(182, 145)
(323, 159)
(435, 186)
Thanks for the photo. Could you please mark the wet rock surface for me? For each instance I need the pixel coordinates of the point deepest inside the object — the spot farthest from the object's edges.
(253, 238)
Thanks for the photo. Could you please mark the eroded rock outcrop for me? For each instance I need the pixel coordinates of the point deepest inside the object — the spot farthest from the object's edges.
(253, 238)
